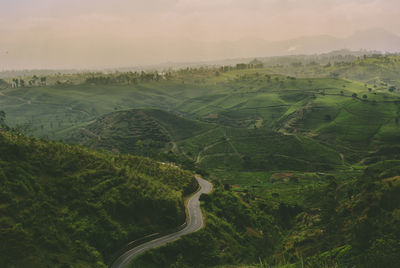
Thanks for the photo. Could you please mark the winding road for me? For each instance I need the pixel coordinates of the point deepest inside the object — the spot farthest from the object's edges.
(194, 223)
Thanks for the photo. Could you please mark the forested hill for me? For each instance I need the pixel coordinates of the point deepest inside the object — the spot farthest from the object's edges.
(64, 205)
(146, 132)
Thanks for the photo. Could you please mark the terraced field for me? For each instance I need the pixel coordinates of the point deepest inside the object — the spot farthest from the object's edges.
(243, 120)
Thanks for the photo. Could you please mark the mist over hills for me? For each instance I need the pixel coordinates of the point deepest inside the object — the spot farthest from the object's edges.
(177, 53)
(370, 39)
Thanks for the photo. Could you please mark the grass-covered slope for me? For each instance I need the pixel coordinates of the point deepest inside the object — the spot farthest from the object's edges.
(277, 137)
(179, 127)
(350, 223)
(262, 149)
(240, 229)
(150, 132)
(125, 131)
(378, 71)
(256, 119)
(64, 205)
(353, 223)
(138, 131)
(320, 103)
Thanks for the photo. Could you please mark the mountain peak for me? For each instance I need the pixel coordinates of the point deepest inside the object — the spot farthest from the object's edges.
(374, 39)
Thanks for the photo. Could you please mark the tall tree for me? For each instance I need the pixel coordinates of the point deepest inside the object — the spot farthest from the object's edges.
(2, 119)
(43, 80)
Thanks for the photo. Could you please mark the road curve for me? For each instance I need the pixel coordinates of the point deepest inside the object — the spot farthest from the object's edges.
(195, 223)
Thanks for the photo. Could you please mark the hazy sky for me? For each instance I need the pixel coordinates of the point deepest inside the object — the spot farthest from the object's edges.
(89, 33)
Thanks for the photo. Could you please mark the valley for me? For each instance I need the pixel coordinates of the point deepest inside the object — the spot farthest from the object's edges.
(195, 222)
(304, 157)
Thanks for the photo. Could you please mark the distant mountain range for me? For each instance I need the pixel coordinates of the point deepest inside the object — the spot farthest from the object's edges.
(370, 39)
(199, 53)
(231, 52)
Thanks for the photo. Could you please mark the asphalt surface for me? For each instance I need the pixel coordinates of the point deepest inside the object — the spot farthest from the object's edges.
(195, 223)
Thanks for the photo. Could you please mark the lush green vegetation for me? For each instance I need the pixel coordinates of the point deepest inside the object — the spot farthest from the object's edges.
(354, 223)
(357, 223)
(140, 131)
(239, 230)
(303, 151)
(65, 205)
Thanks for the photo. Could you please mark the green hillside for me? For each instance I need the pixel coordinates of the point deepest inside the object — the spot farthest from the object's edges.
(147, 132)
(248, 98)
(259, 149)
(304, 158)
(64, 206)
(227, 118)
(150, 132)
(354, 223)
(378, 71)
(357, 223)
(127, 132)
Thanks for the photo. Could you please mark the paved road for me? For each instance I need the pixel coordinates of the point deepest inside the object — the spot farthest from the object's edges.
(195, 223)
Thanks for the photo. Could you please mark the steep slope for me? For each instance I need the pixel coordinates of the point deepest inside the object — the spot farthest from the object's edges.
(353, 224)
(64, 205)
